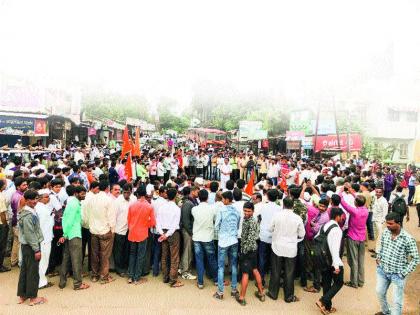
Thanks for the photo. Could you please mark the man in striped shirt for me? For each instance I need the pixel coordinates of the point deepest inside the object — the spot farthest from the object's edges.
(398, 256)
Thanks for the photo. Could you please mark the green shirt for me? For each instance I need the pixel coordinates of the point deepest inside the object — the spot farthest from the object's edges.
(72, 219)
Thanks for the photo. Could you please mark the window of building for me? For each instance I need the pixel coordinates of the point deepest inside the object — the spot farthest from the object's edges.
(403, 150)
(393, 115)
(412, 116)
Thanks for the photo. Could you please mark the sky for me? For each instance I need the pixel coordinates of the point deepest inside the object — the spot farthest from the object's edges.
(308, 50)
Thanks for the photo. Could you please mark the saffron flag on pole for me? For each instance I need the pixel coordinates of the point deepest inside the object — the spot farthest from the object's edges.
(249, 189)
(126, 147)
(136, 146)
(128, 169)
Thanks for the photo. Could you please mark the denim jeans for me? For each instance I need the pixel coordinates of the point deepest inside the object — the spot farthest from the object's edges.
(137, 259)
(156, 254)
(264, 255)
(232, 252)
(383, 281)
(411, 192)
(216, 173)
(207, 249)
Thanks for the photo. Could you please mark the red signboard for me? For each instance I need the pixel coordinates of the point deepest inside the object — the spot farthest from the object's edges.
(330, 142)
(41, 127)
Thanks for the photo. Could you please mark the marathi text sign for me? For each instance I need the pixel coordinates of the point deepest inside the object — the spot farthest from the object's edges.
(23, 126)
(330, 142)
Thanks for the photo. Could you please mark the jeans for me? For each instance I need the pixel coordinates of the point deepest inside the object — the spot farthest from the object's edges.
(137, 259)
(356, 261)
(207, 249)
(330, 290)
(411, 191)
(369, 225)
(156, 254)
(264, 254)
(383, 281)
(232, 252)
(274, 180)
(278, 264)
(387, 194)
(216, 173)
(72, 254)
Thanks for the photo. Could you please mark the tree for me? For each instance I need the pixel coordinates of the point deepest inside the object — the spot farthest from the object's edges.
(169, 120)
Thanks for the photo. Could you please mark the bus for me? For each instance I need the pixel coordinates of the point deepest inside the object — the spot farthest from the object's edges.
(206, 137)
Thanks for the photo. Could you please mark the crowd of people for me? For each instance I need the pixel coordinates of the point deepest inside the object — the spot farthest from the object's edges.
(222, 211)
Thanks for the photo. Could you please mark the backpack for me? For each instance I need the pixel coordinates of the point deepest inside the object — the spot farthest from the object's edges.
(320, 252)
(399, 206)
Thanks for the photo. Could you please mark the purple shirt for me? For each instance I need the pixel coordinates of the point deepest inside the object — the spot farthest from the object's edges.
(357, 221)
(320, 220)
(14, 204)
(388, 182)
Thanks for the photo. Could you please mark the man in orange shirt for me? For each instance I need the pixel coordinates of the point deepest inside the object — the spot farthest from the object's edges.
(140, 218)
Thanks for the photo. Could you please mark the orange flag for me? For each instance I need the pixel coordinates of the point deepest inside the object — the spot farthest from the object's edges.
(126, 147)
(128, 169)
(136, 146)
(249, 189)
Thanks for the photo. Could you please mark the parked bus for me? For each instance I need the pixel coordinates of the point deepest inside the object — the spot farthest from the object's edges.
(207, 137)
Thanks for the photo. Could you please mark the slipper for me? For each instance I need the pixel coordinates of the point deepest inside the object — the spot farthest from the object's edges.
(107, 280)
(140, 281)
(241, 302)
(351, 285)
(177, 284)
(321, 307)
(38, 301)
(292, 299)
(83, 286)
(260, 296)
(310, 290)
(218, 296)
(332, 310)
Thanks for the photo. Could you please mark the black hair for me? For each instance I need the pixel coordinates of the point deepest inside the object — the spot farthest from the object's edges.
(127, 187)
(2, 183)
(230, 184)
(360, 201)
(237, 194)
(240, 183)
(393, 216)
(214, 186)
(94, 184)
(171, 193)
(335, 212)
(258, 196)
(30, 194)
(288, 203)
(103, 185)
(203, 195)
(56, 182)
(249, 205)
(272, 195)
(19, 181)
(74, 180)
(186, 191)
(295, 192)
(335, 200)
(141, 191)
(228, 195)
(79, 189)
(35, 185)
(324, 202)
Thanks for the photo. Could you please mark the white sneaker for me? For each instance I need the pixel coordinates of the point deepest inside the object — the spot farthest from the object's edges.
(188, 276)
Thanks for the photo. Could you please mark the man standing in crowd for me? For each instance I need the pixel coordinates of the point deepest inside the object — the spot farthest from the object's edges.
(21, 185)
(140, 218)
(30, 237)
(203, 233)
(226, 226)
(189, 201)
(46, 222)
(101, 220)
(72, 238)
(121, 246)
(379, 212)
(4, 226)
(167, 225)
(397, 258)
(287, 230)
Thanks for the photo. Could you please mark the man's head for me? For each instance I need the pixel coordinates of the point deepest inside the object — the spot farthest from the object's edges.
(240, 183)
(288, 203)
(31, 198)
(214, 186)
(141, 192)
(237, 194)
(21, 184)
(230, 184)
(171, 194)
(227, 197)
(248, 210)
(335, 200)
(80, 193)
(393, 222)
(256, 198)
(56, 185)
(203, 195)
(379, 192)
(104, 185)
(115, 190)
(94, 187)
(323, 205)
(44, 196)
(194, 192)
(272, 195)
(127, 191)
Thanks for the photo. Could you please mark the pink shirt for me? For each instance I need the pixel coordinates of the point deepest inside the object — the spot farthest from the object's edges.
(357, 221)
(312, 213)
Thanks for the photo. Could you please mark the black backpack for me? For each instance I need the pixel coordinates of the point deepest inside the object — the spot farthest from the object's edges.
(320, 252)
(399, 206)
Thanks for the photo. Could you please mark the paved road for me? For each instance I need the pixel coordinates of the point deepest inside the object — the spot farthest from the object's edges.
(158, 299)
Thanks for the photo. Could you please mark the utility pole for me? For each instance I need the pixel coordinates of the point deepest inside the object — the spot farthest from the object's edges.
(316, 127)
(336, 125)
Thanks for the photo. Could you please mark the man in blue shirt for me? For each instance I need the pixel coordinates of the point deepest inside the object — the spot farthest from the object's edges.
(227, 225)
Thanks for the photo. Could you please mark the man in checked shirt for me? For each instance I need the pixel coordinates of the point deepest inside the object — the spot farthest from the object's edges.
(398, 256)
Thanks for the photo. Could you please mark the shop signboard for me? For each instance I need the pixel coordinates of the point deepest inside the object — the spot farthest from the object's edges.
(330, 142)
(22, 126)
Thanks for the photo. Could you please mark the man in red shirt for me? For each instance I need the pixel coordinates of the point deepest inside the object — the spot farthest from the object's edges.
(140, 218)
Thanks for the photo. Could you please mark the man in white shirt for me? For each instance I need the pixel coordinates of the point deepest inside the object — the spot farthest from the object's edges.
(203, 232)
(120, 249)
(101, 220)
(167, 225)
(379, 212)
(332, 278)
(158, 200)
(225, 171)
(46, 222)
(287, 230)
(267, 212)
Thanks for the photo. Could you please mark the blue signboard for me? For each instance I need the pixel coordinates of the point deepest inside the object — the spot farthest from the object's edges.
(19, 126)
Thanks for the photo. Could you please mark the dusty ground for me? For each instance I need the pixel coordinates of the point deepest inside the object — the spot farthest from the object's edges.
(157, 298)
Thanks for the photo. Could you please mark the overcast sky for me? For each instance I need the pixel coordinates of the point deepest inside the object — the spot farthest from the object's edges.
(306, 49)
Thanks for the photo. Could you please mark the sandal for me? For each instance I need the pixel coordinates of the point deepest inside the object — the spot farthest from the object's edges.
(321, 307)
(107, 280)
(260, 296)
(83, 286)
(177, 284)
(241, 302)
(351, 285)
(218, 296)
(311, 290)
(292, 299)
(37, 301)
(140, 281)
(48, 285)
